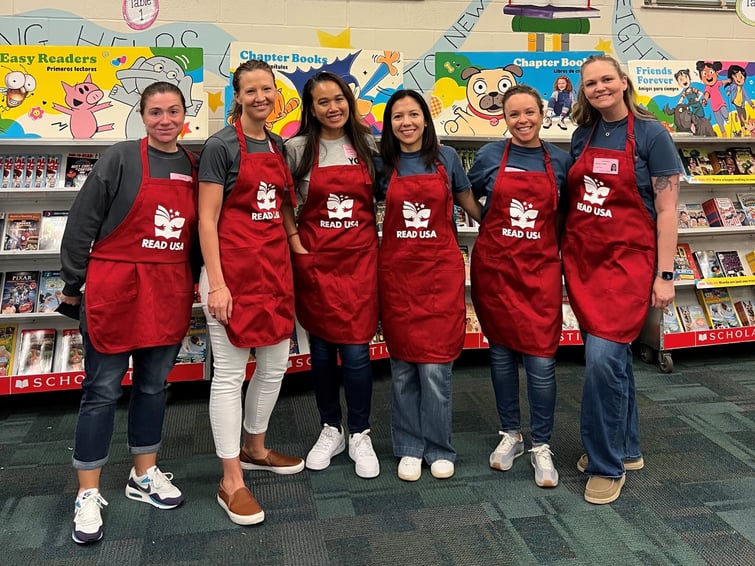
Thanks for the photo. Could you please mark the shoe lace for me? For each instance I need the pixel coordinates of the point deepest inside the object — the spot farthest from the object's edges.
(362, 443)
(507, 442)
(327, 437)
(88, 508)
(543, 456)
(160, 479)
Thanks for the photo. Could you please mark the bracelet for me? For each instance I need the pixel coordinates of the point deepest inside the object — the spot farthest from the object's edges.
(292, 234)
(215, 290)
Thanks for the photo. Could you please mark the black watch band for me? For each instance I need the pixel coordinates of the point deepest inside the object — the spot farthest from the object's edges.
(666, 275)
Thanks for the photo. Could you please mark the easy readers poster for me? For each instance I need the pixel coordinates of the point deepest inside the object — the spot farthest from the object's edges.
(372, 75)
(93, 92)
(469, 86)
(698, 98)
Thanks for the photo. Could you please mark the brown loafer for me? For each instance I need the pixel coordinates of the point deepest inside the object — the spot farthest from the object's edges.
(630, 464)
(273, 462)
(601, 490)
(242, 508)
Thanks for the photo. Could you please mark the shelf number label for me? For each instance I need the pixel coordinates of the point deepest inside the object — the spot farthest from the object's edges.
(746, 11)
(140, 14)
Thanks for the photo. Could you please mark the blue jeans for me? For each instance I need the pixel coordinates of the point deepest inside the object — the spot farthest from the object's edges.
(609, 421)
(101, 391)
(356, 374)
(421, 415)
(541, 391)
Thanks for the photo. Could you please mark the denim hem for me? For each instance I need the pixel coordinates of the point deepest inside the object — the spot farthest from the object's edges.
(431, 458)
(139, 450)
(401, 451)
(604, 476)
(86, 466)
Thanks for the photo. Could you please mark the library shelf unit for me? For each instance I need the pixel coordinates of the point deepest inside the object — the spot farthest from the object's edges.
(656, 340)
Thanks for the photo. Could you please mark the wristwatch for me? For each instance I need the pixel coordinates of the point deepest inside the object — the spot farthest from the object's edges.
(666, 275)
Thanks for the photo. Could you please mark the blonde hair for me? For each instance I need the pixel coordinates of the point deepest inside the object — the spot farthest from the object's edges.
(583, 113)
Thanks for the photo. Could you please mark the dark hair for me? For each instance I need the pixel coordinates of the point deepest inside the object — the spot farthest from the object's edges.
(569, 86)
(583, 113)
(245, 67)
(390, 149)
(522, 89)
(681, 72)
(734, 69)
(310, 127)
(714, 66)
(160, 87)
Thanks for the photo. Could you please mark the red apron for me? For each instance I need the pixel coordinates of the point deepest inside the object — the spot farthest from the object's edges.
(421, 271)
(336, 282)
(516, 270)
(254, 254)
(609, 244)
(139, 289)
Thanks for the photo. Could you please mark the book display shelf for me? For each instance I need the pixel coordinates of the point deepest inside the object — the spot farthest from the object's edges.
(714, 269)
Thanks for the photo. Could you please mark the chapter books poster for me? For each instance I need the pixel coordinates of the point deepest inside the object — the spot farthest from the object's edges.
(93, 92)
(372, 75)
(699, 98)
(469, 86)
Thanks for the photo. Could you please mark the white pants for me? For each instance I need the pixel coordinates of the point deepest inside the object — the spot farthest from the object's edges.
(229, 364)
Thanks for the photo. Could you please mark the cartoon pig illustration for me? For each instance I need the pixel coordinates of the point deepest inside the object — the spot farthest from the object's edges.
(82, 101)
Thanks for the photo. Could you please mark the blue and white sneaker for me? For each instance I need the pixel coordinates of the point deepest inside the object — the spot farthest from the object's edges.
(87, 519)
(154, 488)
(510, 447)
(546, 474)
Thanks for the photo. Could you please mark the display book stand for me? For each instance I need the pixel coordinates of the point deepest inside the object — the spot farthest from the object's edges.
(705, 292)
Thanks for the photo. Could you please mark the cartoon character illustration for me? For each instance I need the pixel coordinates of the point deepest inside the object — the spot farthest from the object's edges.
(18, 85)
(83, 100)
(139, 76)
(484, 112)
(281, 108)
(737, 93)
(712, 95)
(689, 114)
(560, 102)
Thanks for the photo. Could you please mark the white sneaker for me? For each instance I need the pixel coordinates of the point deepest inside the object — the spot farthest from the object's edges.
(154, 488)
(546, 474)
(510, 447)
(410, 468)
(361, 451)
(331, 442)
(87, 519)
(442, 469)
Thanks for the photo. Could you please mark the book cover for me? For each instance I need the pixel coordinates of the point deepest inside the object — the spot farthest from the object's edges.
(695, 161)
(31, 170)
(472, 322)
(52, 166)
(718, 307)
(18, 173)
(293, 344)
(40, 171)
(379, 215)
(746, 312)
(744, 160)
(671, 324)
(731, 264)
(464, 248)
(50, 291)
(8, 333)
(740, 212)
(723, 162)
(35, 351)
(682, 216)
(460, 218)
(569, 318)
(379, 336)
(692, 318)
(51, 230)
(20, 292)
(747, 200)
(70, 351)
(685, 267)
(194, 345)
(707, 263)
(697, 218)
(720, 212)
(22, 231)
(78, 168)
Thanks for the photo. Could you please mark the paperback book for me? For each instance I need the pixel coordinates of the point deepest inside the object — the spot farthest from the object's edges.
(720, 212)
(22, 231)
(36, 350)
(8, 333)
(52, 167)
(50, 291)
(747, 200)
(51, 230)
(723, 162)
(78, 168)
(746, 312)
(744, 160)
(731, 264)
(70, 351)
(692, 317)
(685, 267)
(718, 308)
(671, 324)
(472, 322)
(697, 218)
(20, 292)
(707, 263)
(695, 161)
(194, 345)
(464, 248)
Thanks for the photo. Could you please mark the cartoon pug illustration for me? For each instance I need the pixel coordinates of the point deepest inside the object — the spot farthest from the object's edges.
(139, 76)
(484, 112)
(82, 101)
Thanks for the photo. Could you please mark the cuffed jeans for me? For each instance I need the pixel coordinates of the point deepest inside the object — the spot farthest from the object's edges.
(609, 420)
(421, 416)
(356, 375)
(541, 391)
(101, 390)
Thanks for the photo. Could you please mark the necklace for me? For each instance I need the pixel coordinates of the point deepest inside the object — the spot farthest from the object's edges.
(608, 133)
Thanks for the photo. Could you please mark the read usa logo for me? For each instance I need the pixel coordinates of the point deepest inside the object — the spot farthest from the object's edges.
(416, 221)
(339, 209)
(523, 216)
(168, 226)
(593, 196)
(266, 203)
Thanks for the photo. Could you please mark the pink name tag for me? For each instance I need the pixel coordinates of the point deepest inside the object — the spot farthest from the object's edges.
(603, 165)
(349, 151)
(180, 177)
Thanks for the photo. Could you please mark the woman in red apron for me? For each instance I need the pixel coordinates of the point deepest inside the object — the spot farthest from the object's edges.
(138, 206)
(516, 275)
(618, 252)
(335, 264)
(245, 191)
(421, 282)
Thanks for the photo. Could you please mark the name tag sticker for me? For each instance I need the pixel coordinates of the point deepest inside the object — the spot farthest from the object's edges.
(603, 165)
(349, 151)
(180, 177)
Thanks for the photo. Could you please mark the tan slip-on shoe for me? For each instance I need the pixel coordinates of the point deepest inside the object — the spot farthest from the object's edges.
(601, 490)
(274, 462)
(242, 508)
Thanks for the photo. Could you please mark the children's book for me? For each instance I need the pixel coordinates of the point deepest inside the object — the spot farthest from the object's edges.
(36, 350)
(18, 174)
(747, 200)
(22, 231)
(50, 291)
(718, 307)
(194, 345)
(697, 218)
(52, 166)
(8, 333)
(746, 312)
(70, 351)
(379, 336)
(20, 292)
(78, 168)
(744, 159)
(460, 218)
(472, 322)
(682, 216)
(720, 212)
(51, 230)
(731, 264)
(7, 173)
(695, 161)
(31, 171)
(671, 324)
(707, 263)
(692, 317)
(379, 215)
(464, 248)
(723, 162)
(685, 267)
(40, 171)
(293, 344)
